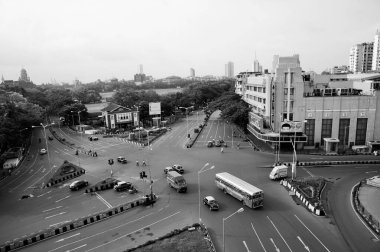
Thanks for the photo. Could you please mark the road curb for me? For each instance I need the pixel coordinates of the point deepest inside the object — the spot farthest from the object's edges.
(67, 177)
(41, 235)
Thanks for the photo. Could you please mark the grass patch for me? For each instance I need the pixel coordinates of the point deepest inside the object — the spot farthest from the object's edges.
(193, 240)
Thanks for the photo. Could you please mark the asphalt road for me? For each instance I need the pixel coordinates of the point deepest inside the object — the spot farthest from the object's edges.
(280, 224)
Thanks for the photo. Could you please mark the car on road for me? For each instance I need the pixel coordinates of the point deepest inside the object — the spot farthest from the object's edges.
(122, 186)
(122, 160)
(43, 151)
(51, 138)
(210, 144)
(178, 168)
(218, 143)
(26, 196)
(93, 138)
(168, 169)
(211, 203)
(78, 184)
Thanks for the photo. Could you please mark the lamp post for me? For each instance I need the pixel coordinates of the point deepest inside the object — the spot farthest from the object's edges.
(199, 188)
(46, 143)
(72, 116)
(224, 219)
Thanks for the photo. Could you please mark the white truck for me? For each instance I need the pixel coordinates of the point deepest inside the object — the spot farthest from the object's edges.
(278, 172)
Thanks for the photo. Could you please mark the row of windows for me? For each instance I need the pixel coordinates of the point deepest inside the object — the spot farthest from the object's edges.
(256, 89)
(255, 98)
(233, 188)
(123, 116)
(343, 132)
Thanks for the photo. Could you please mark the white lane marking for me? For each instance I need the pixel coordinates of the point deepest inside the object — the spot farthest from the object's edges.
(43, 194)
(274, 244)
(106, 243)
(25, 180)
(84, 245)
(306, 247)
(246, 247)
(307, 171)
(56, 224)
(68, 237)
(103, 200)
(62, 199)
(317, 158)
(370, 171)
(47, 210)
(103, 232)
(312, 233)
(51, 216)
(258, 237)
(279, 234)
(353, 209)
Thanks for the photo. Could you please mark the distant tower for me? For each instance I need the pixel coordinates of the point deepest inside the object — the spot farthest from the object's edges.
(229, 69)
(192, 72)
(24, 76)
(2, 78)
(141, 69)
(376, 52)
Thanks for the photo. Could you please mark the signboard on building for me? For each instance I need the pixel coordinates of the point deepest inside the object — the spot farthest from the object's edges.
(256, 120)
(291, 127)
(154, 108)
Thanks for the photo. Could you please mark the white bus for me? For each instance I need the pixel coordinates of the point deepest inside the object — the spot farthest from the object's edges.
(250, 195)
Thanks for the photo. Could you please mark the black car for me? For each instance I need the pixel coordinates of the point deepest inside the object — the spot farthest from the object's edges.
(93, 138)
(122, 160)
(78, 184)
(50, 138)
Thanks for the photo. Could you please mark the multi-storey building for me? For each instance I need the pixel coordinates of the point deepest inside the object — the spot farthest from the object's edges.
(376, 53)
(229, 69)
(361, 58)
(313, 111)
(192, 73)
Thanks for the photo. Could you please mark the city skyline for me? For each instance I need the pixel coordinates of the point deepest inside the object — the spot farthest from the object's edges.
(64, 40)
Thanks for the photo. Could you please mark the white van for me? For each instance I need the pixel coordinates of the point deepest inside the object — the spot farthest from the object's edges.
(176, 181)
(278, 172)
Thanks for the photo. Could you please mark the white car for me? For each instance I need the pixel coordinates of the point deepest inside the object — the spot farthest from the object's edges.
(43, 151)
(168, 169)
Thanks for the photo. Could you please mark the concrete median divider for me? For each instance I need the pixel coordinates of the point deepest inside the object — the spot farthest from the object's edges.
(41, 235)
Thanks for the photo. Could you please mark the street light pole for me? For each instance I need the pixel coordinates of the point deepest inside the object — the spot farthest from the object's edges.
(224, 219)
(199, 188)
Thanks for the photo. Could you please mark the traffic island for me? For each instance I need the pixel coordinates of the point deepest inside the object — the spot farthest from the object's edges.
(65, 172)
(307, 191)
(105, 184)
(28, 240)
(189, 238)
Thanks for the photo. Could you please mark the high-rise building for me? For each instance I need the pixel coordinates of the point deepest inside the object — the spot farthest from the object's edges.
(376, 53)
(361, 58)
(192, 72)
(229, 69)
(141, 69)
(257, 67)
(24, 76)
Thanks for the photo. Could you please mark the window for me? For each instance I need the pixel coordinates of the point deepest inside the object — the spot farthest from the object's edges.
(326, 129)
(264, 90)
(361, 131)
(309, 131)
(344, 129)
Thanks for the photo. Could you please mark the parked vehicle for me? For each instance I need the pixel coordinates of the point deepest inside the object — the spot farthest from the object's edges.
(168, 169)
(211, 203)
(93, 138)
(78, 184)
(218, 143)
(122, 160)
(178, 168)
(43, 151)
(176, 181)
(278, 172)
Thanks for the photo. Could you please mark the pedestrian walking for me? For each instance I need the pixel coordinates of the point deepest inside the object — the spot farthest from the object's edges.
(137, 163)
(144, 164)
(221, 150)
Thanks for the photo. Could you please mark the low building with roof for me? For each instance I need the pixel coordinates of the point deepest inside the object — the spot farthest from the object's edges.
(119, 117)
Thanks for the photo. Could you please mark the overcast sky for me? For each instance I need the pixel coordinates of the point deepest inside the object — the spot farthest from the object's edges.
(90, 40)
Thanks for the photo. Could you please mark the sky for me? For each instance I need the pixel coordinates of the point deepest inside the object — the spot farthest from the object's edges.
(64, 40)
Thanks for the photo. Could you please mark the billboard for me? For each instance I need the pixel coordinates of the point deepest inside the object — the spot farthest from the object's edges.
(256, 120)
(291, 127)
(154, 108)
